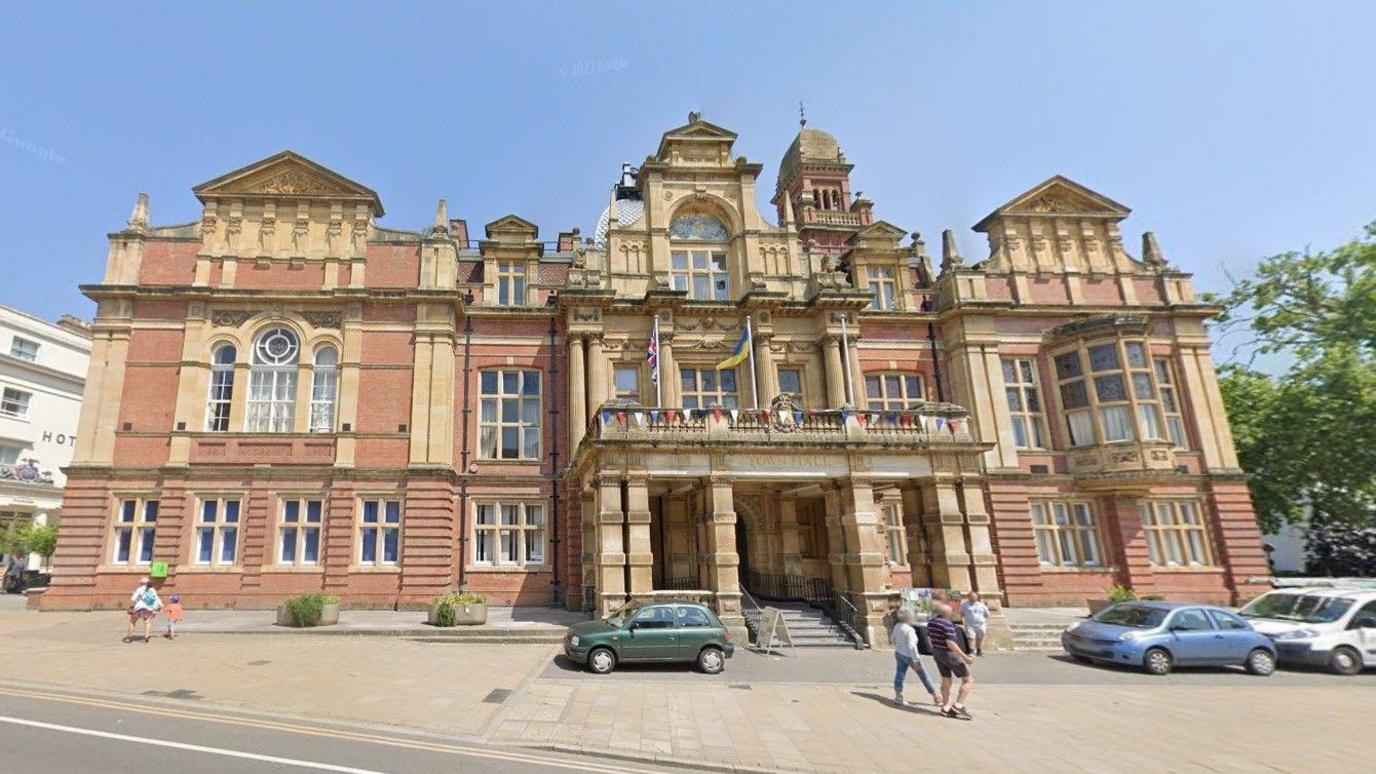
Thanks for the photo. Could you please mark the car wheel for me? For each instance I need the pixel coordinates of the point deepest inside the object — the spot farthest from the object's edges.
(1345, 661)
(711, 660)
(1157, 662)
(1261, 662)
(602, 660)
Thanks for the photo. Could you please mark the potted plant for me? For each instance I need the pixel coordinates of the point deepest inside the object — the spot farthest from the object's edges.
(309, 610)
(1116, 593)
(459, 608)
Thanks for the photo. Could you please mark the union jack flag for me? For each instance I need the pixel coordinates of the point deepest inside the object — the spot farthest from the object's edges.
(652, 353)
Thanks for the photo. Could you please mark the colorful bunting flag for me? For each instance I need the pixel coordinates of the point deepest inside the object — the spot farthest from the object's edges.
(654, 417)
(798, 417)
(621, 417)
(673, 415)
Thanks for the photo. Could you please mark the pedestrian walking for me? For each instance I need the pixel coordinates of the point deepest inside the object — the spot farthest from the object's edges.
(951, 662)
(974, 614)
(174, 614)
(14, 574)
(906, 656)
(143, 606)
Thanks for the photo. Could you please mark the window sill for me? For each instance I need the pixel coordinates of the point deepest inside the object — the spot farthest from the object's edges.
(506, 568)
(1051, 568)
(129, 569)
(207, 569)
(373, 569)
(290, 569)
(491, 461)
(1196, 568)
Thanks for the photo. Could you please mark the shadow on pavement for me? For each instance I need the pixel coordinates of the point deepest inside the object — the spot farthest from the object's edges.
(920, 709)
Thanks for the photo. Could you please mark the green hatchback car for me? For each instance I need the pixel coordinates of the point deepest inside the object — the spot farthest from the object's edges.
(657, 632)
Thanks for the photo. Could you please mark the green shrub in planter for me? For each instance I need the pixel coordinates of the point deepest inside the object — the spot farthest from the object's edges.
(445, 607)
(306, 610)
(1121, 593)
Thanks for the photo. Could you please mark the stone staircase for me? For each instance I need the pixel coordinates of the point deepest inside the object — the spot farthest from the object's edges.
(1037, 637)
(807, 626)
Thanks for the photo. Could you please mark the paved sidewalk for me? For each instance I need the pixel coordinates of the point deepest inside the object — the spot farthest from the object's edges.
(547, 620)
(811, 711)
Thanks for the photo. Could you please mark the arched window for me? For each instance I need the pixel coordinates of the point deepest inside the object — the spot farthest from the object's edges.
(826, 200)
(836, 199)
(272, 384)
(698, 257)
(324, 389)
(221, 388)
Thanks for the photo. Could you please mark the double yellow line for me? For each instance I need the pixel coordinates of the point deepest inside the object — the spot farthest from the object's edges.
(352, 736)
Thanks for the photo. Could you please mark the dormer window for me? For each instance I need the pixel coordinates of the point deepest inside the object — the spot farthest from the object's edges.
(511, 283)
(882, 287)
(697, 261)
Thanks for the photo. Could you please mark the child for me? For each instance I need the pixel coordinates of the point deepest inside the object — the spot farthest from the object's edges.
(174, 615)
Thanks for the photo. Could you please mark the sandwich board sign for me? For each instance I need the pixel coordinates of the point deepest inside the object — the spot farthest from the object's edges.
(774, 629)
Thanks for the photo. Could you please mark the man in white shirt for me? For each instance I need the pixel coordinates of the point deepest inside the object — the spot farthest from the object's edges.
(904, 637)
(975, 615)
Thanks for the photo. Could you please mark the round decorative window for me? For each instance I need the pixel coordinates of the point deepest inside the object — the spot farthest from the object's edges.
(277, 347)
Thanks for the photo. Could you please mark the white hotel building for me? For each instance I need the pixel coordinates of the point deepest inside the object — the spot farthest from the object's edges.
(42, 375)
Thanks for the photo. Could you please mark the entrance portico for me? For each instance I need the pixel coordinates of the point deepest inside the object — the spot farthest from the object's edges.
(716, 506)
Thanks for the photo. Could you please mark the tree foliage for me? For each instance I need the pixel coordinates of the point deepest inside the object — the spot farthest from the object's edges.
(1308, 435)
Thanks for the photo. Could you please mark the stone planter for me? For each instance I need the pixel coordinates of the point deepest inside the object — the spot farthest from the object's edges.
(464, 615)
(329, 615)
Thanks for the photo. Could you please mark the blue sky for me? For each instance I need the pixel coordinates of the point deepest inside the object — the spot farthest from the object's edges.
(1233, 130)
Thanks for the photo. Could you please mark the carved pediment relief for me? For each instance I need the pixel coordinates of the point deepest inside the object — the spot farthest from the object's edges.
(1057, 195)
(286, 175)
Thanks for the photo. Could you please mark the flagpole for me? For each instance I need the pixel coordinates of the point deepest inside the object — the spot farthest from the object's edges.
(845, 360)
(750, 350)
(659, 371)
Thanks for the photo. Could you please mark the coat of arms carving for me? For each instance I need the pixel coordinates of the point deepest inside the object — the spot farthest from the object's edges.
(782, 413)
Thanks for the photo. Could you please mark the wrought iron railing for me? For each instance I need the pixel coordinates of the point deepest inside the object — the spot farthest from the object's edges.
(817, 592)
(690, 583)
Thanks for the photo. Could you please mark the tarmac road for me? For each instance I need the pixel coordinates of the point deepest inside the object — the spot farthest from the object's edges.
(45, 731)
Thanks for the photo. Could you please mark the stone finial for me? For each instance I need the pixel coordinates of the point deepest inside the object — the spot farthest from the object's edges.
(788, 210)
(950, 252)
(138, 219)
(441, 218)
(611, 210)
(1151, 251)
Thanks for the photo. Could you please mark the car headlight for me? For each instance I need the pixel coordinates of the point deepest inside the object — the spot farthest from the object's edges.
(573, 641)
(1298, 634)
(1130, 636)
(1074, 626)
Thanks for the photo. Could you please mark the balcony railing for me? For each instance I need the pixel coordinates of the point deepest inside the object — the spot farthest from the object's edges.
(26, 473)
(929, 423)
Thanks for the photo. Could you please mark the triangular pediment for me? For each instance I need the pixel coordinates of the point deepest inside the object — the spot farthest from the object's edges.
(512, 225)
(288, 175)
(1059, 195)
(879, 235)
(695, 132)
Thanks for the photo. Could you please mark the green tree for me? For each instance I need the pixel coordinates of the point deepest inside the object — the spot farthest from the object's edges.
(1308, 435)
(39, 539)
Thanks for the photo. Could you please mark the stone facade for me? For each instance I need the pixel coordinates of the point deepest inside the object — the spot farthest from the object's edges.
(317, 402)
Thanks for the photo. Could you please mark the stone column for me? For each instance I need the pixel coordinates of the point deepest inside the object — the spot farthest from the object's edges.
(578, 400)
(611, 550)
(983, 564)
(788, 537)
(945, 528)
(668, 369)
(836, 391)
(919, 561)
(766, 379)
(723, 563)
(589, 550)
(836, 536)
(864, 559)
(640, 555)
(599, 371)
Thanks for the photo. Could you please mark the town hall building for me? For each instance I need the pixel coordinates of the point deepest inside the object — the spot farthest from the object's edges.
(699, 399)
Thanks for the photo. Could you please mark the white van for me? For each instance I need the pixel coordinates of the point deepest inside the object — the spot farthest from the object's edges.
(1319, 626)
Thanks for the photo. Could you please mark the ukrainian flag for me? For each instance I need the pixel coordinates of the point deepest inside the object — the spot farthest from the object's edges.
(740, 353)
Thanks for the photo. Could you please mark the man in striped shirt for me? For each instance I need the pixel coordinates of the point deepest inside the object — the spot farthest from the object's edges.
(950, 661)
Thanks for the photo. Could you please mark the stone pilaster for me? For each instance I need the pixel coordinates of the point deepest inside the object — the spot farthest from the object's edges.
(723, 563)
(864, 558)
(639, 550)
(788, 537)
(578, 399)
(599, 372)
(836, 391)
(611, 549)
(919, 561)
(945, 528)
(679, 542)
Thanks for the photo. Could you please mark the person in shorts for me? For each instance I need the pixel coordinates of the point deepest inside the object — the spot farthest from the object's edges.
(143, 606)
(951, 662)
(174, 614)
(974, 614)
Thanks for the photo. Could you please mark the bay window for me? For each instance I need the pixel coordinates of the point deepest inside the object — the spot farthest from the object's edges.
(1114, 398)
(1170, 402)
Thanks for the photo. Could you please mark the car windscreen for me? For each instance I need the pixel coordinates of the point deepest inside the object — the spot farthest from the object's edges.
(621, 614)
(1302, 608)
(1136, 616)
